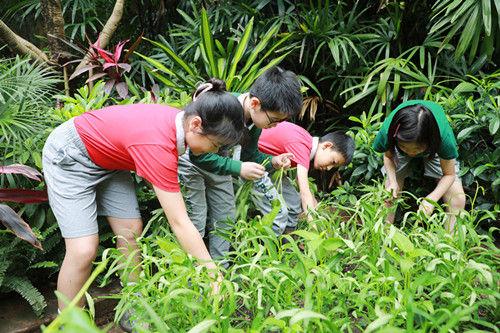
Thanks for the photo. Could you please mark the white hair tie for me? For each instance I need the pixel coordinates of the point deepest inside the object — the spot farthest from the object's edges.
(204, 88)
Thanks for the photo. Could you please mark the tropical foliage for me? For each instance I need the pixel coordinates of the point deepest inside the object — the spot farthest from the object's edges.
(344, 271)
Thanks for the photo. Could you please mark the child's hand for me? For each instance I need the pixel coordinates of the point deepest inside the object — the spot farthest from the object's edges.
(216, 284)
(392, 187)
(252, 171)
(282, 161)
(426, 207)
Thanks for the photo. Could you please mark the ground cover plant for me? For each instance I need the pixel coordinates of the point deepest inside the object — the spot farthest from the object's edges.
(347, 270)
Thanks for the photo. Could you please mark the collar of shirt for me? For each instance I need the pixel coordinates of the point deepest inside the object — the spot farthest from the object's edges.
(314, 147)
(241, 99)
(179, 133)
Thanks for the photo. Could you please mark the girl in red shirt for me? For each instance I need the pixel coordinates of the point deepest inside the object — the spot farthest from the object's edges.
(87, 163)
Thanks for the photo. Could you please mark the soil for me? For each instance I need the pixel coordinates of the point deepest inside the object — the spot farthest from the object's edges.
(16, 315)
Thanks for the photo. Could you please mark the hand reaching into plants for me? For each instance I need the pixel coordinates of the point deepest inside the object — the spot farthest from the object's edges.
(393, 187)
(252, 171)
(216, 284)
(282, 161)
(426, 207)
(215, 276)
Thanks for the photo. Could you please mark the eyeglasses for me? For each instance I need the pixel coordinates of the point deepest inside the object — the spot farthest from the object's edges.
(274, 120)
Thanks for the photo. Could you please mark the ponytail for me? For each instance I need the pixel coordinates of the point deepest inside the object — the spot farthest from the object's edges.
(221, 113)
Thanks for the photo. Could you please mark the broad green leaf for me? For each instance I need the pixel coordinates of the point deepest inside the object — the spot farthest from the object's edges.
(260, 47)
(463, 134)
(158, 65)
(484, 269)
(486, 4)
(208, 43)
(172, 55)
(465, 87)
(377, 323)
(332, 244)
(431, 266)
(308, 235)
(204, 326)
(286, 313)
(391, 329)
(240, 50)
(471, 28)
(403, 242)
(305, 314)
(494, 124)
(360, 95)
(406, 265)
(420, 253)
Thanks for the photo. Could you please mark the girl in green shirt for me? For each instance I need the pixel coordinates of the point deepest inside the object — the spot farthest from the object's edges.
(419, 128)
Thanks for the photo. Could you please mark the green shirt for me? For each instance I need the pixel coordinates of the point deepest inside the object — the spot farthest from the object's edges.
(448, 148)
(227, 166)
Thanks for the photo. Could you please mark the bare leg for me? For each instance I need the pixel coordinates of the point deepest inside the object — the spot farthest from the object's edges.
(455, 199)
(76, 266)
(127, 231)
(401, 183)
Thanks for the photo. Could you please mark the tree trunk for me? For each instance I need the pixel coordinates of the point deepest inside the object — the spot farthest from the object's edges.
(20, 45)
(54, 28)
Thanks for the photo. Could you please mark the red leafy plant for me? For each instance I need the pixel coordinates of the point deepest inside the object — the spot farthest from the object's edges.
(9, 218)
(102, 63)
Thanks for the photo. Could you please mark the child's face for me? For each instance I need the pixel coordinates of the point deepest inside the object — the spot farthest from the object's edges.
(412, 149)
(262, 118)
(197, 142)
(327, 158)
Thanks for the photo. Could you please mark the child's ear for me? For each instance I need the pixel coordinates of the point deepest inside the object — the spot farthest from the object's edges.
(326, 145)
(195, 124)
(255, 103)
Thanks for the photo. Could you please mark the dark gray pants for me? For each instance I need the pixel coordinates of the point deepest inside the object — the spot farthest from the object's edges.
(210, 202)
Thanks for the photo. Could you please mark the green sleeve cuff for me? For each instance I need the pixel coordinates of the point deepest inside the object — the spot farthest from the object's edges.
(235, 168)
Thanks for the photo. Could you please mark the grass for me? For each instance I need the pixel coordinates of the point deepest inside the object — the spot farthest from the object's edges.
(346, 271)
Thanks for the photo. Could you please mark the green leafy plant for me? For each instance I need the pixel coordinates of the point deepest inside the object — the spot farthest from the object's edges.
(366, 163)
(472, 22)
(219, 61)
(11, 257)
(346, 270)
(474, 107)
(24, 87)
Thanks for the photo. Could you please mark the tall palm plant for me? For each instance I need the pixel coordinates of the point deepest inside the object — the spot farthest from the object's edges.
(476, 24)
(25, 92)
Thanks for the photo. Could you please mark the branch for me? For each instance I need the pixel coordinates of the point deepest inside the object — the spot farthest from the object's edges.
(108, 30)
(20, 45)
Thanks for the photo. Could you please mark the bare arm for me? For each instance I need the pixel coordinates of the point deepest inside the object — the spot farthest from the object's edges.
(448, 167)
(306, 196)
(390, 169)
(186, 233)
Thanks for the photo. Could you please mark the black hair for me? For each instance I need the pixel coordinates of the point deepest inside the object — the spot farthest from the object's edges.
(221, 113)
(415, 123)
(342, 143)
(278, 91)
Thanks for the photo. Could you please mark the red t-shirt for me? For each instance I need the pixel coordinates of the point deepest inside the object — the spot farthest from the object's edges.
(137, 137)
(287, 138)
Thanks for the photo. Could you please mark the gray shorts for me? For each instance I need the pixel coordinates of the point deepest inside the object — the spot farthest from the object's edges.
(79, 190)
(432, 168)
